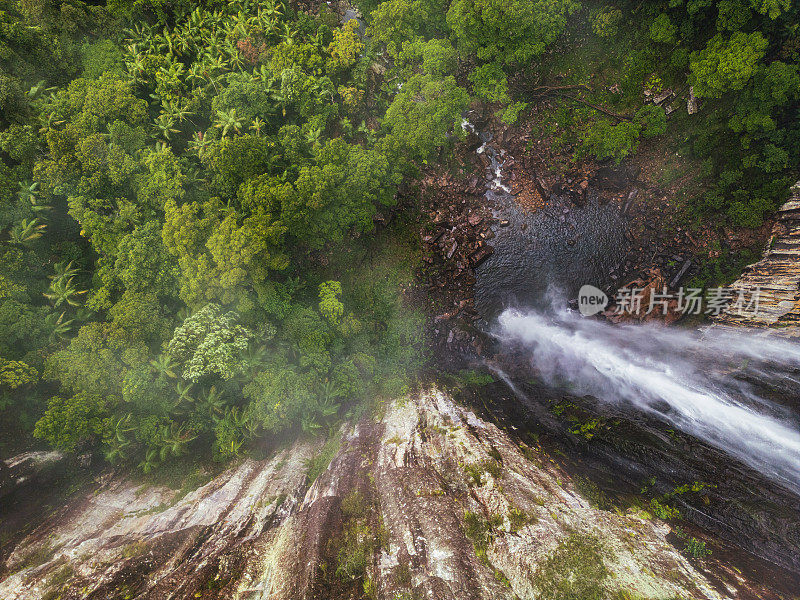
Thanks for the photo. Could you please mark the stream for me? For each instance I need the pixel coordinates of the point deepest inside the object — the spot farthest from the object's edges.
(682, 407)
(556, 249)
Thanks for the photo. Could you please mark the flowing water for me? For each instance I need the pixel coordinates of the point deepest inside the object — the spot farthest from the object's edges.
(734, 396)
(716, 386)
(561, 245)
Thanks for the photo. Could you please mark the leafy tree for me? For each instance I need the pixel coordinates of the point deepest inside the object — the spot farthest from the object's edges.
(346, 46)
(510, 31)
(662, 30)
(15, 374)
(209, 342)
(330, 306)
(143, 264)
(490, 82)
(278, 398)
(249, 96)
(437, 56)
(235, 160)
(726, 63)
(394, 22)
(72, 423)
(339, 192)
(425, 113)
(185, 232)
(604, 139)
(94, 361)
(606, 22)
(651, 119)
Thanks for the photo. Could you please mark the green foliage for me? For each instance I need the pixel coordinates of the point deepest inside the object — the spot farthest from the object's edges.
(651, 119)
(663, 510)
(360, 537)
(15, 374)
(394, 22)
(424, 113)
(209, 342)
(346, 46)
(160, 202)
(437, 57)
(490, 82)
(481, 532)
(696, 548)
(693, 547)
(575, 569)
(72, 422)
(604, 139)
(340, 192)
(726, 63)
(662, 30)
(511, 31)
(606, 22)
(330, 306)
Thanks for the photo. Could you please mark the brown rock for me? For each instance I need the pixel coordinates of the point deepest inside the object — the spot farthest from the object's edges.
(480, 255)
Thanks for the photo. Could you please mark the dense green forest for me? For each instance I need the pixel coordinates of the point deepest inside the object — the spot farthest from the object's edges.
(189, 261)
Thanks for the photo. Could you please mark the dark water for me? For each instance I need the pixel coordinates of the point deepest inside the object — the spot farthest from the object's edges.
(562, 246)
(565, 246)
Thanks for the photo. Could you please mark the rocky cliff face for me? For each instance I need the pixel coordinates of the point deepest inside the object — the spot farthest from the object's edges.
(775, 278)
(423, 501)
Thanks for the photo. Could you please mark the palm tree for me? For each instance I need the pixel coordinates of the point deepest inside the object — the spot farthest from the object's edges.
(177, 109)
(196, 73)
(30, 192)
(166, 43)
(37, 89)
(183, 389)
(134, 63)
(63, 291)
(272, 10)
(59, 327)
(119, 440)
(164, 365)
(174, 440)
(227, 121)
(258, 125)
(164, 125)
(232, 50)
(141, 32)
(64, 270)
(216, 63)
(197, 20)
(288, 34)
(313, 137)
(211, 404)
(199, 143)
(27, 231)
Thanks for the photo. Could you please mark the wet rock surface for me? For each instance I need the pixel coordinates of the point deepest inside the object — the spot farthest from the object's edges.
(30, 468)
(434, 501)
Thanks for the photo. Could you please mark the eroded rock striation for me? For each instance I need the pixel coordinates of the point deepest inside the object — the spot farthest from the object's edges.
(775, 279)
(424, 500)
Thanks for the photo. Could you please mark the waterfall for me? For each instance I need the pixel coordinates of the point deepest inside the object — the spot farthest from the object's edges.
(712, 385)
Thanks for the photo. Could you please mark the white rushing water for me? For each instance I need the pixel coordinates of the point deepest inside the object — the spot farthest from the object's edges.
(700, 384)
